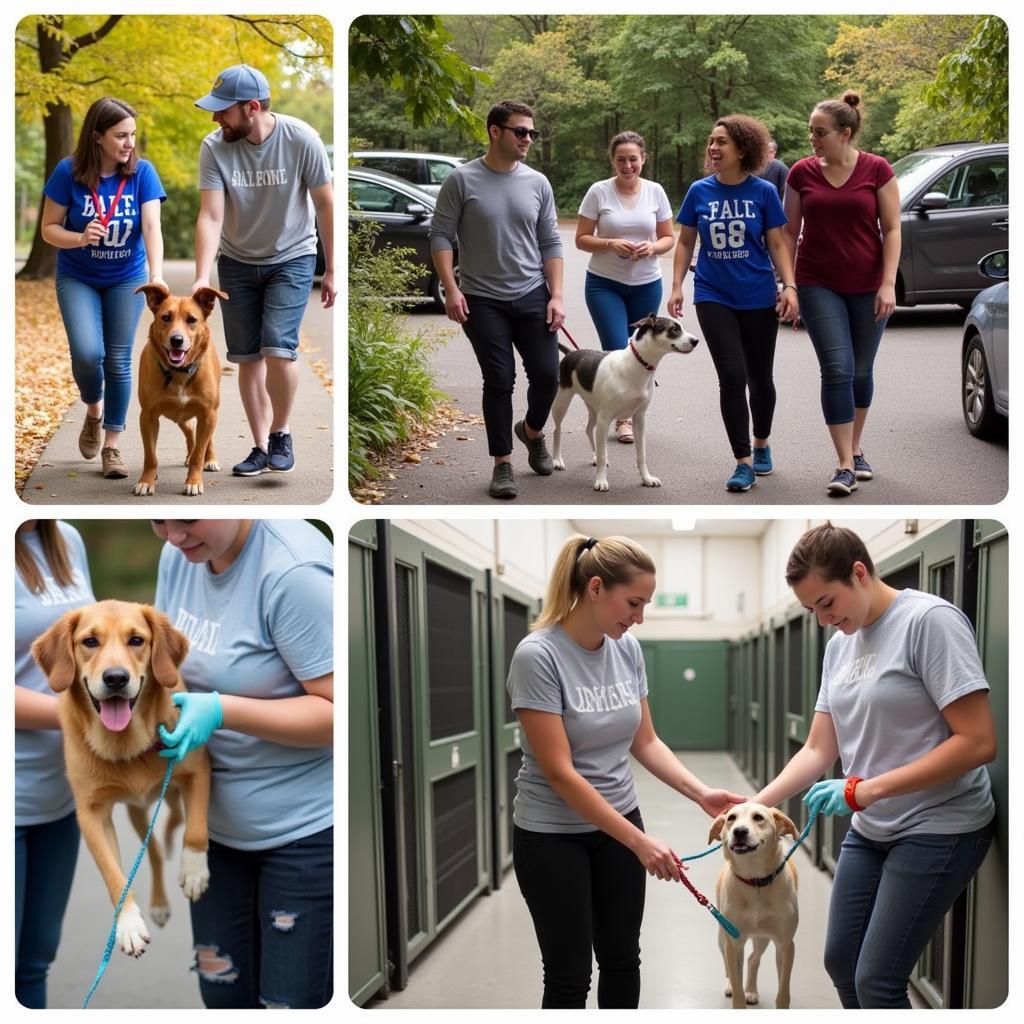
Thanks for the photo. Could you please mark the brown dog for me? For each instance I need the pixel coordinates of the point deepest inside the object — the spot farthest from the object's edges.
(179, 377)
(115, 666)
(756, 896)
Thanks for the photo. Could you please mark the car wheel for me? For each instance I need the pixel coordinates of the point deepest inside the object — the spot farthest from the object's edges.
(976, 392)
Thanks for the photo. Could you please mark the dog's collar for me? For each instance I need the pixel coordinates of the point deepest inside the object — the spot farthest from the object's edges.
(169, 371)
(760, 883)
(640, 359)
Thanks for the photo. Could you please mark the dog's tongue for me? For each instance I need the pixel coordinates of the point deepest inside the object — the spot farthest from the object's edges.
(115, 713)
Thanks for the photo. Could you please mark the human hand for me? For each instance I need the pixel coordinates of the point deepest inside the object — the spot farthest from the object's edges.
(641, 250)
(675, 303)
(455, 306)
(327, 290)
(885, 302)
(94, 233)
(200, 282)
(788, 306)
(622, 248)
(828, 797)
(717, 801)
(657, 858)
(556, 314)
(199, 715)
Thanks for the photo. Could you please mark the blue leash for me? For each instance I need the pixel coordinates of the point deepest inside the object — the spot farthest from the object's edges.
(112, 937)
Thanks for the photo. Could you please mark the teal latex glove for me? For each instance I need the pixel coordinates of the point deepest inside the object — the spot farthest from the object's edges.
(827, 798)
(200, 714)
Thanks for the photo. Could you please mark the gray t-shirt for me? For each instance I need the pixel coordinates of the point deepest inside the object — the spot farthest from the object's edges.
(598, 695)
(268, 213)
(885, 687)
(506, 226)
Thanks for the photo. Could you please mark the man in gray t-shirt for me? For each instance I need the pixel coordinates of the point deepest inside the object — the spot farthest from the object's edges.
(265, 189)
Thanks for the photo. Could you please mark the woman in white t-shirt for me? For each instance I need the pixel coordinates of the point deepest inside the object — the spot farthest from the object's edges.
(904, 705)
(626, 223)
(578, 686)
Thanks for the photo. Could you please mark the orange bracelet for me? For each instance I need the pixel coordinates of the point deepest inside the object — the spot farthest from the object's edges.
(848, 791)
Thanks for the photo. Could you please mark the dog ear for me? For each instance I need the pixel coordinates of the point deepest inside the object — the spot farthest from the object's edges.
(170, 646)
(54, 651)
(716, 828)
(783, 825)
(155, 294)
(207, 298)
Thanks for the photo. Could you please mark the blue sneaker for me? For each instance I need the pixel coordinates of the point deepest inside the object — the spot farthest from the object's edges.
(254, 464)
(861, 469)
(743, 479)
(280, 458)
(763, 460)
(843, 483)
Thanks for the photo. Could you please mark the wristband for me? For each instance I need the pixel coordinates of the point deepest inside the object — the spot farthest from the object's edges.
(785, 286)
(848, 791)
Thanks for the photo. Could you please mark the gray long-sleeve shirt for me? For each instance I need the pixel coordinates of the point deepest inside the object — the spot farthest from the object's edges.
(506, 227)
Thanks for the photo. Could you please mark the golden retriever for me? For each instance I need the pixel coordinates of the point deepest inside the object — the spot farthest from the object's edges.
(179, 377)
(115, 666)
(759, 901)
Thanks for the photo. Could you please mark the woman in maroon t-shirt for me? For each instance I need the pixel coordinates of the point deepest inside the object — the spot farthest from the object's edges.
(844, 207)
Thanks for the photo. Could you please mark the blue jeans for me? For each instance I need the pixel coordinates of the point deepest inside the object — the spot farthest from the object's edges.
(845, 337)
(100, 325)
(614, 306)
(888, 900)
(44, 865)
(263, 931)
(265, 305)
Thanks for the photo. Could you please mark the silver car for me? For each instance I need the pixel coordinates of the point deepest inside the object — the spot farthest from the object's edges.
(984, 388)
(954, 205)
(425, 170)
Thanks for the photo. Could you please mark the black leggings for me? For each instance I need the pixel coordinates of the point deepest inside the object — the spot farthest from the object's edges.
(742, 346)
(585, 892)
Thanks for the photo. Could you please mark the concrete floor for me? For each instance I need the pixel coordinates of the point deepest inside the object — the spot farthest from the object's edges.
(489, 958)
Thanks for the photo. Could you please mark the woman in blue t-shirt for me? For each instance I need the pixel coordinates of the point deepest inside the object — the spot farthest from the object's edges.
(739, 219)
(254, 598)
(102, 211)
(52, 577)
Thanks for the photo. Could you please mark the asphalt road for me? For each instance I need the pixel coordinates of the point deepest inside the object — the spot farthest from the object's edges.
(915, 438)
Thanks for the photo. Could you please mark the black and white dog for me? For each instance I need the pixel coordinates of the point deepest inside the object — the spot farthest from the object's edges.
(617, 385)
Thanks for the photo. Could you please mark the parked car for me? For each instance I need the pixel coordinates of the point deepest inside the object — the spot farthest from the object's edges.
(427, 170)
(984, 378)
(954, 203)
(404, 213)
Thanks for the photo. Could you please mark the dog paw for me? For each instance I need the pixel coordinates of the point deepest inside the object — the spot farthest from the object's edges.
(600, 485)
(194, 876)
(558, 463)
(142, 489)
(728, 991)
(211, 466)
(193, 489)
(159, 914)
(752, 998)
(651, 481)
(132, 936)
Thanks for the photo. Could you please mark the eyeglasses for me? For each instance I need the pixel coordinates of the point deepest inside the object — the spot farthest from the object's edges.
(820, 133)
(521, 132)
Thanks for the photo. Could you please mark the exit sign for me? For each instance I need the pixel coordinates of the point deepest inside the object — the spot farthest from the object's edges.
(672, 600)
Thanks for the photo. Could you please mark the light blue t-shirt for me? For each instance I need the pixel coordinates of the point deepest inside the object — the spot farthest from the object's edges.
(598, 695)
(41, 790)
(733, 267)
(259, 629)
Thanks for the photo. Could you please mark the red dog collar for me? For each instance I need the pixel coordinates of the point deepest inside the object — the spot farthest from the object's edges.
(848, 791)
(640, 358)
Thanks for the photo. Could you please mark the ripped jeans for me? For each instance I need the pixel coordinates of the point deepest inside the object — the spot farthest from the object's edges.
(263, 930)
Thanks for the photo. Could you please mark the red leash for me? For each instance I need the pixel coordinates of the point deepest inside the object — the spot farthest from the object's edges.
(705, 902)
(570, 337)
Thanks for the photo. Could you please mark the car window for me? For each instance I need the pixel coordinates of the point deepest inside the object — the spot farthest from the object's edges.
(401, 166)
(373, 197)
(914, 170)
(437, 171)
(982, 182)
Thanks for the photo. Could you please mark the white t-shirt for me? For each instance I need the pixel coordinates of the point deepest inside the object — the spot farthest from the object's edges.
(885, 687)
(603, 204)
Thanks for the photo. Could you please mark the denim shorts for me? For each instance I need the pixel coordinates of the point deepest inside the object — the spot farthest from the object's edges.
(265, 305)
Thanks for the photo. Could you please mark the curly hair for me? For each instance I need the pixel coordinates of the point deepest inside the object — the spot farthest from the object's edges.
(751, 138)
(845, 113)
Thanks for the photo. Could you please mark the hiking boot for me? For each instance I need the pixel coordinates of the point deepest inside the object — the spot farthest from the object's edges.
(113, 464)
(254, 464)
(539, 458)
(89, 438)
(503, 482)
(280, 457)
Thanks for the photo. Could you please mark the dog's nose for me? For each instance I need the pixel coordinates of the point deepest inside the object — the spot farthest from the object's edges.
(740, 832)
(177, 340)
(115, 678)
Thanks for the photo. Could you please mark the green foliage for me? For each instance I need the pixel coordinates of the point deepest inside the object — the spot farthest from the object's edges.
(123, 557)
(975, 82)
(390, 387)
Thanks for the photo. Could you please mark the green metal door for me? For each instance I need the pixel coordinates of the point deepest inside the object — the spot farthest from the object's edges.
(688, 692)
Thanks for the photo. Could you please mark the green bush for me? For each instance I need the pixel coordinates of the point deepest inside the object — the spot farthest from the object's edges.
(390, 386)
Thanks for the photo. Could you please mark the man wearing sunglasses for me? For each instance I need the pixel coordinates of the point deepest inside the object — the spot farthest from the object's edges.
(509, 298)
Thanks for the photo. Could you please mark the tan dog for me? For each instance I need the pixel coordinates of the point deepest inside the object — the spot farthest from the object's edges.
(764, 908)
(115, 666)
(179, 378)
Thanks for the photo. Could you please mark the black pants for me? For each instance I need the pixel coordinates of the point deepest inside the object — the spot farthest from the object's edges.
(585, 892)
(742, 346)
(495, 327)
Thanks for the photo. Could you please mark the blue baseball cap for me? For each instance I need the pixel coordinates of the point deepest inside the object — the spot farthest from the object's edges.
(235, 85)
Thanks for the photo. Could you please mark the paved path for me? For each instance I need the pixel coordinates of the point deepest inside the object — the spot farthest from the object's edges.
(62, 476)
(916, 439)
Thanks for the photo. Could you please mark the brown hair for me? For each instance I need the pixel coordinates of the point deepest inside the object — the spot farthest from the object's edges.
(614, 560)
(829, 550)
(626, 137)
(85, 161)
(751, 138)
(501, 112)
(55, 552)
(845, 113)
